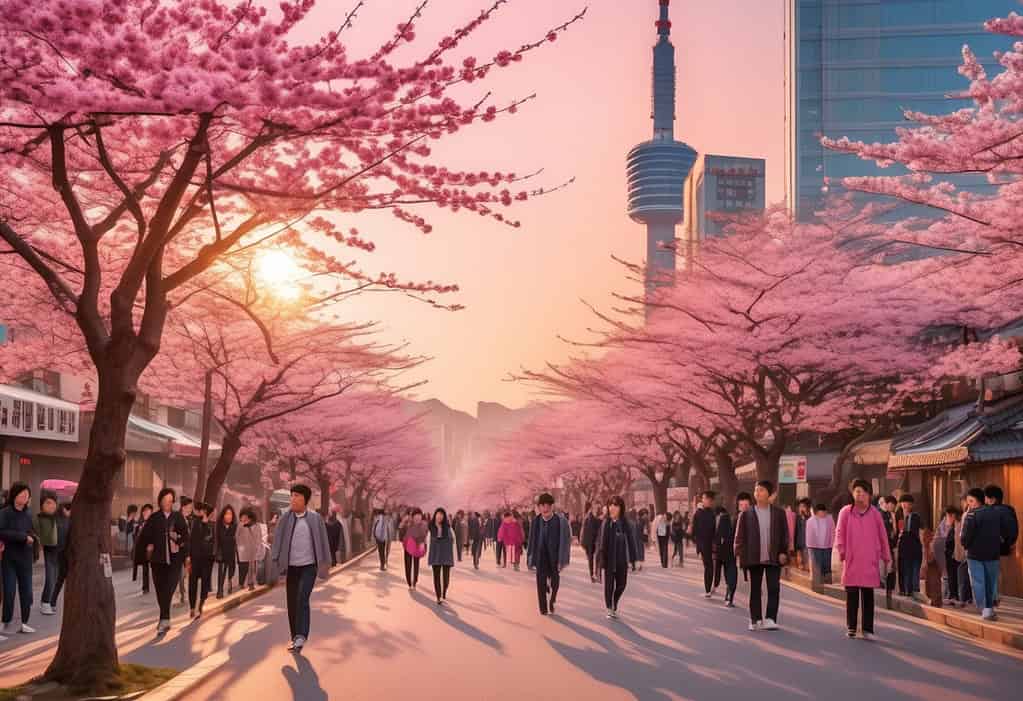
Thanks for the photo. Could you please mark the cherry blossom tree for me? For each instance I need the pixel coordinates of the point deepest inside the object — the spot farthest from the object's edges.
(159, 138)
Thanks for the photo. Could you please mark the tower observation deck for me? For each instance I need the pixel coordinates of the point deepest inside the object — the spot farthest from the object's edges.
(656, 170)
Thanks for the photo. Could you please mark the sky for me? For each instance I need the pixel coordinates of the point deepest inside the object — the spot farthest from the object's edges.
(524, 287)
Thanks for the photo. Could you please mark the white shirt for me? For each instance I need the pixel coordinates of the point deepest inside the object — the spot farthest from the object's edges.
(302, 552)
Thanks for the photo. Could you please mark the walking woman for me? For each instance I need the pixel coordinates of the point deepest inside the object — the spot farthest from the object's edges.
(415, 547)
(18, 553)
(139, 554)
(616, 552)
(442, 553)
(163, 538)
(225, 546)
(862, 544)
(511, 537)
(252, 547)
(678, 534)
(45, 526)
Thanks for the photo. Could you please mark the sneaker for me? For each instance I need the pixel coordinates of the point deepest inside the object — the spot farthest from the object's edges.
(919, 598)
(46, 610)
(707, 595)
(299, 643)
(3, 638)
(610, 613)
(291, 645)
(755, 626)
(769, 624)
(9, 628)
(850, 633)
(552, 608)
(614, 613)
(26, 628)
(987, 614)
(870, 637)
(729, 604)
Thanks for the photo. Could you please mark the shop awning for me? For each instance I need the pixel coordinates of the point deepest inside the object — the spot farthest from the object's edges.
(873, 452)
(178, 443)
(929, 459)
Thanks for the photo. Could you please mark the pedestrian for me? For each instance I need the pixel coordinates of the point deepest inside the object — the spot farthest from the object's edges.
(642, 530)
(200, 559)
(862, 544)
(162, 538)
(414, 546)
(252, 546)
(131, 520)
(724, 554)
(44, 525)
(743, 503)
(950, 583)
(358, 532)
(225, 546)
(495, 526)
(1010, 523)
(186, 510)
(982, 536)
(804, 513)
(139, 554)
(475, 526)
(911, 550)
(300, 553)
(442, 553)
(334, 530)
(456, 526)
(383, 534)
(888, 504)
(615, 553)
(678, 534)
(511, 537)
(271, 529)
(820, 540)
(577, 527)
(702, 531)
(63, 536)
(761, 546)
(959, 554)
(19, 541)
(588, 538)
(661, 529)
(944, 534)
(548, 550)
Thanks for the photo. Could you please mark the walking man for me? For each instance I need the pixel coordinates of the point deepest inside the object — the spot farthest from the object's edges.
(383, 534)
(476, 538)
(761, 544)
(300, 553)
(703, 528)
(550, 540)
(588, 537)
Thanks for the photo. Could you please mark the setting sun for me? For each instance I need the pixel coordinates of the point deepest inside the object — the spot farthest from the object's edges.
(279, 272)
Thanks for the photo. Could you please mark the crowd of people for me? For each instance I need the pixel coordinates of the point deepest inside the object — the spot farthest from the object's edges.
(878, 540)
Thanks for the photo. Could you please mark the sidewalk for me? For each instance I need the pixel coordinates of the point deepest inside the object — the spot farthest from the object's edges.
(1007, 630)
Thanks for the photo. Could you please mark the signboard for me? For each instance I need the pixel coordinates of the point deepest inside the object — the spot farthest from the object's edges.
(792, 469)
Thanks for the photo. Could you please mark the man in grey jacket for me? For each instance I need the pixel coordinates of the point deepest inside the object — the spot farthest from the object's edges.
(300, 553)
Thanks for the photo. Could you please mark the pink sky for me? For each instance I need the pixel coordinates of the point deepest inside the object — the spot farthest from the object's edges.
(522, 286)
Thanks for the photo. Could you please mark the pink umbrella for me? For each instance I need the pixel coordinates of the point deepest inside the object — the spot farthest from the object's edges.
(64, 489)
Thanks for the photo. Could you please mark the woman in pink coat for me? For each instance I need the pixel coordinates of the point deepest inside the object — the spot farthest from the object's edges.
(510, 535)
(862, 544)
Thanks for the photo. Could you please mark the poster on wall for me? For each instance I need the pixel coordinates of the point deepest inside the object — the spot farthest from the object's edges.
(792, 469)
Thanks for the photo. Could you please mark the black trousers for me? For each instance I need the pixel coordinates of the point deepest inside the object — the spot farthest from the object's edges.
(728, 568)
(679, 550)
(589, 561)
(458, 549)
(165, 580)
(662, 546)
(499, 550)
(614, 586)
(411, 569)
(757, 574)
(224, 569)
(477, 551)
(61, 576)
(200, 582)
(548, 579)
(441, 579)
(145, 574)
(853, 597)
(708, 569)
(382, 553)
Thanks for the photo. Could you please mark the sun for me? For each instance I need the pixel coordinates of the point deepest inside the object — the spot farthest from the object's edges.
(278, 271)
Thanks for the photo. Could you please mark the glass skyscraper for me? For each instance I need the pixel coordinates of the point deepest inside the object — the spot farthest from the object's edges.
(854, 66)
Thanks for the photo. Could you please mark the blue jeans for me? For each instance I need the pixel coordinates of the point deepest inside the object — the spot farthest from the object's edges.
(17, 575)
(984, 578)
(821, 560)
(50, 568)
(299, 588)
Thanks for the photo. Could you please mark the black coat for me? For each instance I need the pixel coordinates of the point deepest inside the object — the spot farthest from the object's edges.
(225, 545)
(200, 541)
(588, 538)
(910, 546)
(982, 533)
(161, 532)
(475, 528)
(15, 528)
(616, 545)
(703, 530)
(724, 538)
(334, 534)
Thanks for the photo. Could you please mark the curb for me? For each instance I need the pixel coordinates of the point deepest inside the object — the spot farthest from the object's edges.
(189, 678)
(977, 630)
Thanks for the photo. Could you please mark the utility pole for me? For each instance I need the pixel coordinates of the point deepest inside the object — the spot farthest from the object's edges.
(204, 445)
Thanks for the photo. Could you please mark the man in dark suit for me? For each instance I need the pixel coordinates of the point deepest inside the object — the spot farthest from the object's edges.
(550, 540)
(704, 526)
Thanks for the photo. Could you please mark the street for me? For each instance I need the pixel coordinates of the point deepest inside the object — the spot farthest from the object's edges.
(371, 638)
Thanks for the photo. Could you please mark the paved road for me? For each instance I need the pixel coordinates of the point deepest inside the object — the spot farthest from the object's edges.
(372, 639)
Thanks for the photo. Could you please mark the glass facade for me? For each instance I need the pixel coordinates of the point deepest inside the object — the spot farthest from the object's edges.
(722, 185)
(854, 67)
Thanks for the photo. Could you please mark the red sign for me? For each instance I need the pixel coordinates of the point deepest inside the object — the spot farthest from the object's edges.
(24, 461)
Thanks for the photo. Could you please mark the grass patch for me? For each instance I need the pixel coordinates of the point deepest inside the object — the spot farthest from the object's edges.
(131, 679)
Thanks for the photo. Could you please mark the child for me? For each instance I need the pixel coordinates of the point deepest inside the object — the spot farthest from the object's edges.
(911, 550)
(820, 539)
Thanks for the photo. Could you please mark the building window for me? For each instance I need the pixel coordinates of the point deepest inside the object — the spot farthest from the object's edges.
(28, 409)
(3, 416)
(49, 418)
(41, 418)
(63, 421)
(175, 417)
(71, 422)
(16, 415)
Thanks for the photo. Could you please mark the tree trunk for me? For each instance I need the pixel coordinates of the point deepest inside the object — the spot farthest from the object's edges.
(324, 486)
(768, 460)
(697, 484)
(204, 441)
(727, 481)
(87, 651)
(228, 450)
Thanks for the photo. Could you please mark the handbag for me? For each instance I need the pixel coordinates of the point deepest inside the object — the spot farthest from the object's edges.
(413, 548)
